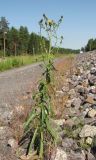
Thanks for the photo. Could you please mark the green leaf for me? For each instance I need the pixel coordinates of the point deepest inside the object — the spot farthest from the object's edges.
(33, 139)
(41, 145)
(29, 120)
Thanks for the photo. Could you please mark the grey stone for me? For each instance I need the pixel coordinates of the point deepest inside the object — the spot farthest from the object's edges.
(93, 71)
(79, 70)
(59, 154)
(90, 156)
(69, 102)
(92, 80)
(93, 148)
(13, 143)
(6, 113)
(69, 123)
(59, 122)
(89, 141)
(68, 143)
(90, 99)
(80, 89)
(59, 93)
(92, 113)
(94, 107)
(73, 84)
(65, 88)
(88, 131)
(76, 132)
(85, 112)
(76, 102)
(86, 105)
(72, 94)
(76, 156)
(93, 89)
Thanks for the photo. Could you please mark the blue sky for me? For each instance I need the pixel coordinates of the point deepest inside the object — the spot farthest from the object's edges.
(79, 22)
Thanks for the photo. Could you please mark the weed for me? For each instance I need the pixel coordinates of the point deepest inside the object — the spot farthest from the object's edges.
(42, 112)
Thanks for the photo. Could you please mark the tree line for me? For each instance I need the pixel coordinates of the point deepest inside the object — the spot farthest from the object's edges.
(91, 45)
(19, 41)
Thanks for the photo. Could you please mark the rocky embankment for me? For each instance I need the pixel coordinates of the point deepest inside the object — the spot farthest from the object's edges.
(78, 126)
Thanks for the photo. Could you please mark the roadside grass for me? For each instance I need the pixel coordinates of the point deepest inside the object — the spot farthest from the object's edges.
(14, 62)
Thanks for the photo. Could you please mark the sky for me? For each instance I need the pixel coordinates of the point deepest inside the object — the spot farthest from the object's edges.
(79, 23)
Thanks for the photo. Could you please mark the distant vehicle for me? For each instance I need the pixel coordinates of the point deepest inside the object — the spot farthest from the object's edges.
(81, 51)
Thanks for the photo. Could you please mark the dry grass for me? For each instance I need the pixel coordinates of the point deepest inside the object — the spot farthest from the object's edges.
(64, 70)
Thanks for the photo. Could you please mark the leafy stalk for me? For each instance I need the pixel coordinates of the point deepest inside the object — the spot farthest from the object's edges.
(33, 139)
(43, 99)
(41, 145)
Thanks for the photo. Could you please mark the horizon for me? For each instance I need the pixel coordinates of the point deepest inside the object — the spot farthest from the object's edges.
(79, 18)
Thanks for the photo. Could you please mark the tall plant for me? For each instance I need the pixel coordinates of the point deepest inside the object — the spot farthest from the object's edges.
(50, 28)
(42, 112)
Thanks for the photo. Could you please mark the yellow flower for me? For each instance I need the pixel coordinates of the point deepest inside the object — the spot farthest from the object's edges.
(50, 22)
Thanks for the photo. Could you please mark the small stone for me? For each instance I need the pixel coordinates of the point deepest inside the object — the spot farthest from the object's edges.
(89, 141)
(85, 112)
(60, 154)
(68, 104)
(90, 156)
(93, 149)
(80, 89)
(76, 155)
(92, 113)
(67, 143)
(76, 102)
(94, 107)
(59, 93)
(92, 80)
(79, 71)
(73, 84)
(93, 71)
(86, 105)
(90, 100)
(13, 143)
(65, 89)
(59, 122)
(82, 99)
(93, 89)
(72, 93)
(88, 131)
(85, 83)
(6, 113)
(76, 132)
(69, 123)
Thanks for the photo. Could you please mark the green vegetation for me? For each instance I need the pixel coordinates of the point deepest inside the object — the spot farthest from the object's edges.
(17, 61)
(91, 45)
(39, 119)
(19, 41)
(14, 62)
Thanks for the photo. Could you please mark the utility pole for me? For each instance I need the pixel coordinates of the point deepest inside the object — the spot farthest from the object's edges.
(4, 42)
